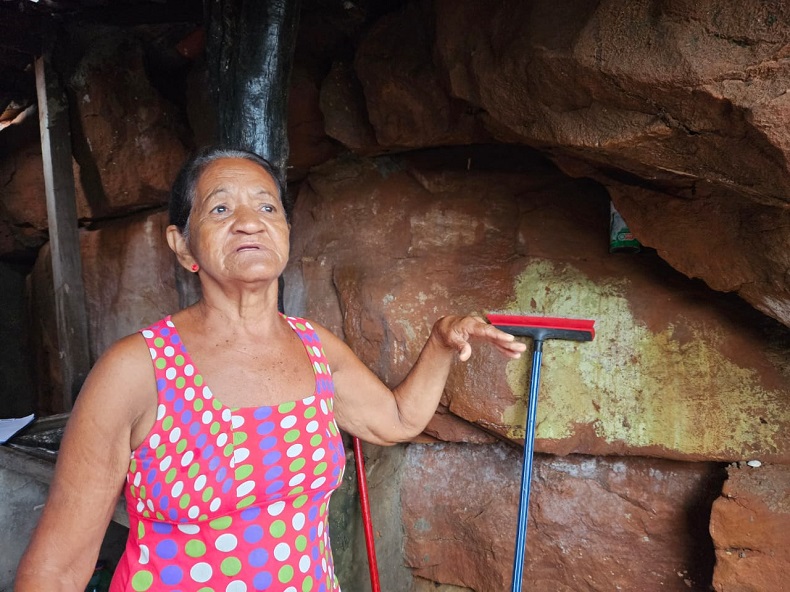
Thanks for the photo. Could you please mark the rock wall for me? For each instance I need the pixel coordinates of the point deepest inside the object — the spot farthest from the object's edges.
(461, 157)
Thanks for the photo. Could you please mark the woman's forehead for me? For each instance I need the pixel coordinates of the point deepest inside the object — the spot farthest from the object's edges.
(234, 172)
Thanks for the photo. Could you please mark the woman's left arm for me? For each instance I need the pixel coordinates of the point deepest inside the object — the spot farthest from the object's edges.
(365, 407)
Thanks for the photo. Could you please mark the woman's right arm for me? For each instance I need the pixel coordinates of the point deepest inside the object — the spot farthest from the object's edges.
(114, 409)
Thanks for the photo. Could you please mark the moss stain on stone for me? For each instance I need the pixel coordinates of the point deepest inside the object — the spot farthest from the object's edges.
(633, 386)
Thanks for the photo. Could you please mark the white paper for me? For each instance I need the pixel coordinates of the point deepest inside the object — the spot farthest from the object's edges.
(9, 427)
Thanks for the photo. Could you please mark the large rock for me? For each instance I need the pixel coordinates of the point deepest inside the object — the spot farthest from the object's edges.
(750, 525)
(687, 100)
(382, 248)
(594, 524)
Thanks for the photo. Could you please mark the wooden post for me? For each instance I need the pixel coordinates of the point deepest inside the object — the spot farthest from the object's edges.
(69, 290)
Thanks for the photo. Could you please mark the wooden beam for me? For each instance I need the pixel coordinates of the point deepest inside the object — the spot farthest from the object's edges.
(69, 290)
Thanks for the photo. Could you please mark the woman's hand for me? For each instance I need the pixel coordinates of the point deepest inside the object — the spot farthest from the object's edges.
(456, 333)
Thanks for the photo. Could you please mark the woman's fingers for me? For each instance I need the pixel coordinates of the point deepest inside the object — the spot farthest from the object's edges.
(457, 333)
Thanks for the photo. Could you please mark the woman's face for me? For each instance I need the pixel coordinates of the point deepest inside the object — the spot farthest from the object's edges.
(237, 227)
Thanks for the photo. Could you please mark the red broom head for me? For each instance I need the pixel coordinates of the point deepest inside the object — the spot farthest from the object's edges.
(544, 327)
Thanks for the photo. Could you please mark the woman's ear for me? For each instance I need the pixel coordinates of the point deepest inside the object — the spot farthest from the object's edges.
(178, 244)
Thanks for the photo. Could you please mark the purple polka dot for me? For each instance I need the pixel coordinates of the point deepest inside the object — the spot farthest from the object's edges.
(151, 475)
(208, 451)
(322, 587)
(262, 412)
(161, 383)
(170, 394)
(167, 549)
(178, 406)
(265, 428)
(271, 458)
(251, 513)
(274, 487)
(173, 514)
(175, 339)
(227, 485)
(213, 463)
(252, 534)
(194, 428)
(157, 489)
(147, 463)
(201, 440)
(171, 575)
(162, 528)
(164, 502)
(313, 513)
(318, 573)
(221, 474)
(186, 417)
(262, 580)
(267, 443)
(315, 553)
(164, 331)
(312, 534)
(273, 473)
(258, 557)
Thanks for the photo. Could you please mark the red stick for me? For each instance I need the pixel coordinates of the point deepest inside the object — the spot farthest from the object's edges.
(367, 521)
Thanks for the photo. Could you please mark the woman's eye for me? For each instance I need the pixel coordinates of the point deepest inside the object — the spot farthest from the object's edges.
(268, 208)
(219, 209)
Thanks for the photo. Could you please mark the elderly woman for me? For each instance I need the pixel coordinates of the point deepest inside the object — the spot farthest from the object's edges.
(222, 419)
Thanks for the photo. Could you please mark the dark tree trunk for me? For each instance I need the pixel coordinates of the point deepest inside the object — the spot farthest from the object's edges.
(249, 47)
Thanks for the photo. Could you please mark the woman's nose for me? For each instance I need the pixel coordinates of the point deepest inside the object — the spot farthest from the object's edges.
(247, 219)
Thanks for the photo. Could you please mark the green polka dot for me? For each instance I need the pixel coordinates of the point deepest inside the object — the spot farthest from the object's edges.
(243, 472)
(198, 380)
(142, 492)
(230, 566)
(167, 422)
(142, 581)
(296, 491)
(206, 589)
(184, 501)
(319, 468)
(285, 574)
(198, 405)
(195, 548)
(307, 585)
(300, 543)
(315, 440)
(181, 446)
(203, 517)
(221, 523)
(277, 529)
(140, 530)
(216, 404)
(239, 438)
(179, 359)
(333, 428)
(208, 493)
(310, 412)
(245, 502)
(171, 474)
(214, 429)
(296, 465)
(161, 363)
(291, 436)
(159, 342)
(286, 407)
(228, 450)
(194, 469)
(180, 382)
(300, 501)
(133, 466)
(160, 516)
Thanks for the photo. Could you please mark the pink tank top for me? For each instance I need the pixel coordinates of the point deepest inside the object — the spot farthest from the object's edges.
(231, 500)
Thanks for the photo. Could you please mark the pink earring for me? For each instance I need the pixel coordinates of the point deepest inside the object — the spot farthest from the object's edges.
(195, 267)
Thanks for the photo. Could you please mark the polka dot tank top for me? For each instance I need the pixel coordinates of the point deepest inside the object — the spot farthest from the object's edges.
(227, 499)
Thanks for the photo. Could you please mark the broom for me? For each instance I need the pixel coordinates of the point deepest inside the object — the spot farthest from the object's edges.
(539, 329)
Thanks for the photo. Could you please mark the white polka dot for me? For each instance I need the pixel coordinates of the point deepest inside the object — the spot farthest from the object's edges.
(144, 554)
(298, 521)
(318, 483)
(207, 394)
(189, 393)
(296, 480)
(308, 325)
(276, 508)
(318, 454)
(137, 479)
(170, 373)
(236, 586)
(222, 439)
(150, 504)
(288, 422)
(324, 410)
(317, 367)
(309, 400)
(187, 458)
(189, 369)
(193, 512)
(304, 563)
(323, 563)
(140, 505)
(175, 435)
(201, 572)
(312, 427)
(169, 323)
(152, 351)
(200, 483)
(148, 333)
(207, 417)
(215, 503)
(169, 351)
(178, 487)
(160, 412)
(240, 454)
(316, 351)
(226, 416)
(282, 552)
(226, 543)
(294, 450)
(165, 464)
(328, 369)
(245, 488)
(189, 528)
(237, 421)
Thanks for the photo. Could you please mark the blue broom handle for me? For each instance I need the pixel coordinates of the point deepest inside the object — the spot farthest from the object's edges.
(526, 470)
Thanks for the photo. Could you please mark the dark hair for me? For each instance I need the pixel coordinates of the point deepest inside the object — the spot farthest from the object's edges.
(182, 195)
